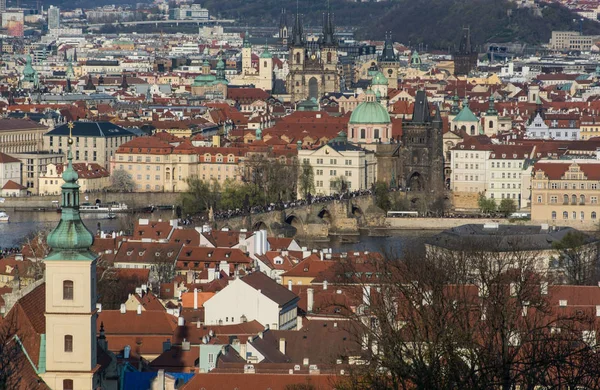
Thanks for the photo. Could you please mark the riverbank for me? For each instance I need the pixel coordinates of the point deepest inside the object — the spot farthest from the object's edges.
(131, 199)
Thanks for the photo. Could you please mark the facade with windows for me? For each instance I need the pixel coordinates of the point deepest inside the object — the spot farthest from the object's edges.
(504, 170)
(92, 141)
(566, 192)
(340, 161)
(554, 127)
(155, 165)
(469, 168)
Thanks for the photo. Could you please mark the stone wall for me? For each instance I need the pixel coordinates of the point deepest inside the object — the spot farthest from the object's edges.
(465, 200)
(131, 199)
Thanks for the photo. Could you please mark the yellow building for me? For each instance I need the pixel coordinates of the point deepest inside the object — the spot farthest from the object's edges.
(220, 163)
(21, 136)
(156, 165)
(566, 192)
(589, 128)
(92, 178)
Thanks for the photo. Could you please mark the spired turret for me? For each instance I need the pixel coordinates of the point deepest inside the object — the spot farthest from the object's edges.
(70, 240)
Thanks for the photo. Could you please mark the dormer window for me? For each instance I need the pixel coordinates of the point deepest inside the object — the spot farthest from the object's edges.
(129, 253)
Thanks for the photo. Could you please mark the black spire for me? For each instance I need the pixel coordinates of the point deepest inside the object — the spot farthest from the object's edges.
(328, 29)
(283, 19)
(298, 36)
(69, 87)
(437, 120)
(421, 113)
(74, 55)
(465, 42)
(387, 54)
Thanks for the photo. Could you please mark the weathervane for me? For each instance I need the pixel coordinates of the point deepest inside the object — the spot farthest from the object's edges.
(70, 125)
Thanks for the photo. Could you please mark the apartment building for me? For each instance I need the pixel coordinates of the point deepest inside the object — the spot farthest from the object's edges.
(21, 136)
(571, 40)
(566, 192)
(504, 171)
(92, 178)
(220, 163)
(156, 165)
(339, 158)
(469, 159)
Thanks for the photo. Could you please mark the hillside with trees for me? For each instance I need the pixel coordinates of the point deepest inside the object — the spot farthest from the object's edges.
(436, 23)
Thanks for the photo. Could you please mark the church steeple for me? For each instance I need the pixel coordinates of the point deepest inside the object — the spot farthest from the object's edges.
(388, 54)
(71, 239)
(298, 33)
(328, 28)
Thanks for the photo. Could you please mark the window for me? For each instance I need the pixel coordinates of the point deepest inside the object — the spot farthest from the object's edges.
(565, 215)
(68, 290)
(593, 215)
(332, 172)
(582, 199)
(68, 343)
(539, 199)
(554, 215)
(582, 215)
(67, 384)
(554, 199)
(363, 133)
(574, 214)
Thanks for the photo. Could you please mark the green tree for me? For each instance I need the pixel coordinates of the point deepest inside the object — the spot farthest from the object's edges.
(486, 205)
(507, 206)
(200, 196)
(237, 195)
(382, 196)
(121, 181)
(306, 179)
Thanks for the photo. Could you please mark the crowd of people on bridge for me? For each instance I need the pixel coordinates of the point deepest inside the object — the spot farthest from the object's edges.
(310, 199)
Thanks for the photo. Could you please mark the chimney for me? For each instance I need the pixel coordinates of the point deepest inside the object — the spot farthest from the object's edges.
(325, 285)
(185, 345)
(123, 308)
(309, 299)
(598, 311)
(139, 310)
(180, 321)
(282, 345)
(290, 285)
(195, 299)
(99, 307)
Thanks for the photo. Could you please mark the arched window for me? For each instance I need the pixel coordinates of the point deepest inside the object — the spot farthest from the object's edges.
(574, 199)
(363, 133)
(68, 290)
(297, 58)
(491, 124)
(554, 215)
(582, 199)
(565, 199)
(565, 215)
(329, 57)
(265, 64)
(68, 343)
(67, 384)
(593, 215)
(472, 129)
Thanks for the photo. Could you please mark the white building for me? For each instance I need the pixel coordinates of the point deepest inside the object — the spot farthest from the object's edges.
(253, 297)
(10, 169)
(539, 129)
(504, 172)
(340, 159)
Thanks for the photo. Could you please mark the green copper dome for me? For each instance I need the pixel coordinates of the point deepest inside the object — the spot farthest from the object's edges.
(266, 53)
(370, 111)
(379, 79)
(70, 240)
(465, 115)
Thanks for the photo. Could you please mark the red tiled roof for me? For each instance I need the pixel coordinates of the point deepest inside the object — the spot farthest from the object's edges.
(237, 381)
(5, 158)
(11, 185)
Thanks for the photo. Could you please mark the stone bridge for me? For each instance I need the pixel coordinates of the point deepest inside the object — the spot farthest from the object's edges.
(317, 220)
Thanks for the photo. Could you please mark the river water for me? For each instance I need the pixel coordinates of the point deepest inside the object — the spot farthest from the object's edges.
(26, 223)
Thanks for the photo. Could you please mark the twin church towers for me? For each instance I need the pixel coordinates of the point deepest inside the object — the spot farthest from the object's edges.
(313, 63)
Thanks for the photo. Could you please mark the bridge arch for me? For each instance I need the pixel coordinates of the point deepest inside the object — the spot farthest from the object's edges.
(357, 211)
(295, 222)
(259, 225)
(325, 215)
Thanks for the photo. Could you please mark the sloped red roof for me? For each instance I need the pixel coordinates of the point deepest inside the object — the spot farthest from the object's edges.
(11, 185)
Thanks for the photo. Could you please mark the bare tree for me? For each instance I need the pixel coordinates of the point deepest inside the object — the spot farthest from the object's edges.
(577, 258)
(472, 318)
(121, 181)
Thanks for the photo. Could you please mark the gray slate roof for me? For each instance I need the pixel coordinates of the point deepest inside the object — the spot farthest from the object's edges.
(502, 238)
(270, 288)
(92, 129)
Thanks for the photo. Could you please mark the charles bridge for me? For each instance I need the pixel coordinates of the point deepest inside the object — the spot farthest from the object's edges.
(317, 220)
